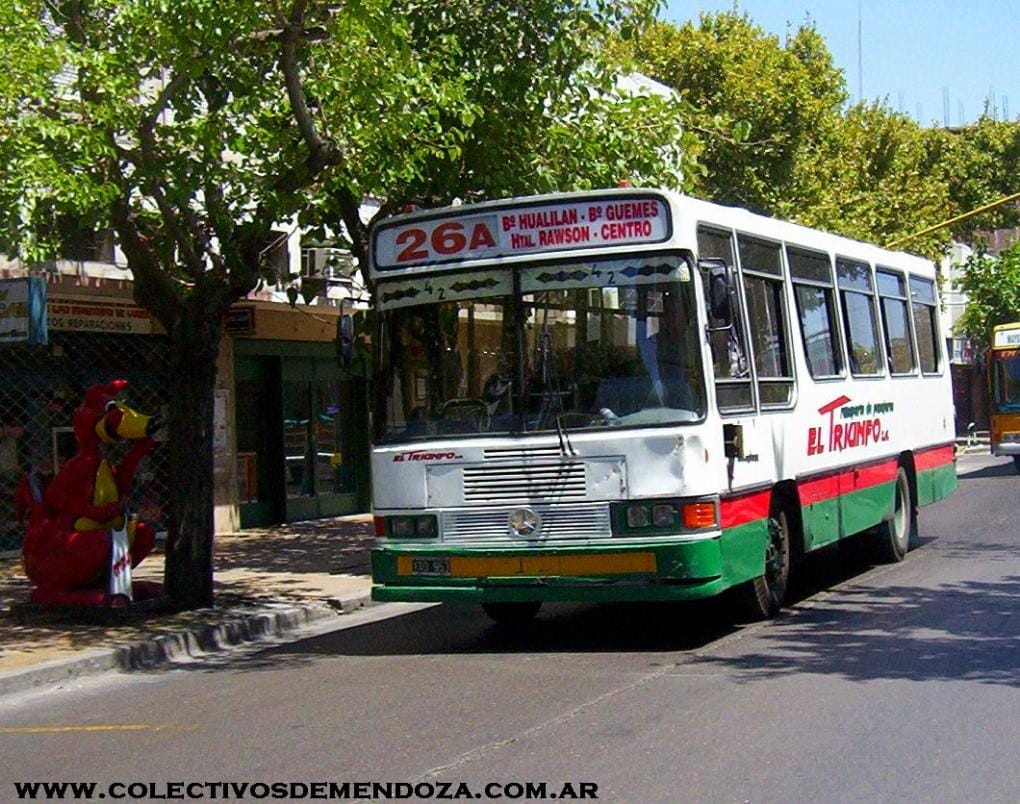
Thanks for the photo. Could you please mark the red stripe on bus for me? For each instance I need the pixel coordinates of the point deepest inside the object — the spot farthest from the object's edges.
(746, 508)
(818, 489)
(843, 481)
(875, 474)
(933, 458)
(735, 511)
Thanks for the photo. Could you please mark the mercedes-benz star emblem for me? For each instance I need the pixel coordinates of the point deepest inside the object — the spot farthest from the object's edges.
(524, 522)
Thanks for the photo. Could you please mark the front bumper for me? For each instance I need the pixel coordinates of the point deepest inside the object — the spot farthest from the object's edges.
(684, 570)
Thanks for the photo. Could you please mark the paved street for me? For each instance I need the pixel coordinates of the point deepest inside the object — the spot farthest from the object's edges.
(893, 683)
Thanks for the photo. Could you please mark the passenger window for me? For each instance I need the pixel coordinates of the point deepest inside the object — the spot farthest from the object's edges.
(811, 273)
(762, 273)
(926, 323)
(899, 345)
(857, 293)
(728, 346)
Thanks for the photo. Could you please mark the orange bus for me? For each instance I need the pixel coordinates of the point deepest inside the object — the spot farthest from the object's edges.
(1004, 375)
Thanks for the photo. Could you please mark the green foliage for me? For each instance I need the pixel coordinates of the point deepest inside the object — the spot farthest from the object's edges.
(777, 138)
(755, 103)
(873, 176)
(182, 112)
(985, 166)
(992, 285)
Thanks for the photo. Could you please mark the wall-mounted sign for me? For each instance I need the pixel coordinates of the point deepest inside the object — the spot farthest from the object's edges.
(240, 321)
(525, 228)
(71, 314)
(23, 310)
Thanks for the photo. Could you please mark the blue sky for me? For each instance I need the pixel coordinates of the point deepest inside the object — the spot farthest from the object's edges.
(913, 52)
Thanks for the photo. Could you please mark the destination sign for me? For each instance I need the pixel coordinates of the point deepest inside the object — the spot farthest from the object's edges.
(524, 229)
(1007, 337)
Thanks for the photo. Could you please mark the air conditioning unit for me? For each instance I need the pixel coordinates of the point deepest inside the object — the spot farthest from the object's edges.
(335, 265)
(330, 263)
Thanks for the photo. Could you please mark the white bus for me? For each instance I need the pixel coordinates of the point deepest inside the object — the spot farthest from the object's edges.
(631, 395)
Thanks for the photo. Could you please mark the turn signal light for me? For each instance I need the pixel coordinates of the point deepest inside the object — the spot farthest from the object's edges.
(699, 515)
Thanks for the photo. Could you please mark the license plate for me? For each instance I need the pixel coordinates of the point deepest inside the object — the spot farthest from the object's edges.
(430, 566)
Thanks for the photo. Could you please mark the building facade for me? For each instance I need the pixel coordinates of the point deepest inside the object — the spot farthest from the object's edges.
(290, 435)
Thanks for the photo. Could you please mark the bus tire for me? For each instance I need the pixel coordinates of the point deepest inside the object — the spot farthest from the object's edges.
(512, 613)
(763, 597)
(892, 537)
(1016, 463)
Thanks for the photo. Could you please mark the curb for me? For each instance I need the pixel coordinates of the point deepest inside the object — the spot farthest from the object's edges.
(270, 622)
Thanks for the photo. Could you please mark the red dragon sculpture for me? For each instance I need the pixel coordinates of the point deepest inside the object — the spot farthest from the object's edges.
(68, 543)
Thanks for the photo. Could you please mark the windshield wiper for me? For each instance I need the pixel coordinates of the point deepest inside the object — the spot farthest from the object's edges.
(561, 432)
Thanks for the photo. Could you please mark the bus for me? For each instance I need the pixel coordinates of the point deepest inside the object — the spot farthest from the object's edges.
(633, 395)
(1004, 377)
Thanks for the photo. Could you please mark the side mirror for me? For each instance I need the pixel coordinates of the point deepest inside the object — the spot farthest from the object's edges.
(345, 340)
(719, 291)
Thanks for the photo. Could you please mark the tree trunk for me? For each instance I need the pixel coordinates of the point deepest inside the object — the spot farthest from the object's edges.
(189, 552)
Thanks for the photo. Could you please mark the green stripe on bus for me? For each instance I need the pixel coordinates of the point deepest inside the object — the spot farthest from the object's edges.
(936, 484)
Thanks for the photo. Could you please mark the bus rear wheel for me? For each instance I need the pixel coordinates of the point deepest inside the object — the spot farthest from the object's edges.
(512, 613)
(763, 597)
(893, 535)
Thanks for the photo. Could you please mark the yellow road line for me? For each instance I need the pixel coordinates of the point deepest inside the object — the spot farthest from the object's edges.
(79, 729)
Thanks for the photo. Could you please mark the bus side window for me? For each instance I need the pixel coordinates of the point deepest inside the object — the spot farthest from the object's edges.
(761, 269)
(857, 295)
(926, 324)
(726, 332)
(811, 272)
(899, 345)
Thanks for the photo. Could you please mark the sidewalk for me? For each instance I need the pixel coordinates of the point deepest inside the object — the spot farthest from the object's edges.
(267, 582)
(973, 444)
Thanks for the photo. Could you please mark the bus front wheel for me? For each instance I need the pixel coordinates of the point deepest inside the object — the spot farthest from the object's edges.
(893, 535)
(763, 597)
(512, 613)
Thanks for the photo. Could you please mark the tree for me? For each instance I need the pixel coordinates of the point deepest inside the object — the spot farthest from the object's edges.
(992, 285)
(777, 139)
(757, 104)
(192, 128)
(983, 165)
(873, 175)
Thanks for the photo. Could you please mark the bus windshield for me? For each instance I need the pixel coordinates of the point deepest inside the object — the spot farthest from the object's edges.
(570, 356)
(1006, 382)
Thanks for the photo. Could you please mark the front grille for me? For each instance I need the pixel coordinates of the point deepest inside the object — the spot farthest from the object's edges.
(562, 480)
(559, 522)
(520, 453)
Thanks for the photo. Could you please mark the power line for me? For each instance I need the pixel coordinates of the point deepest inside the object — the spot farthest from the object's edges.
(999, 202)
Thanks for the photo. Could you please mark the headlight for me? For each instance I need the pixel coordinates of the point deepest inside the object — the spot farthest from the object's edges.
(402, 526)
(637, 516)
(663, 515)
(424, 526)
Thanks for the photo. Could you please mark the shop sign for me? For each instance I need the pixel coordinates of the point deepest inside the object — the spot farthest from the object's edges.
(23, 310)
(240, 321)
(100, 316)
